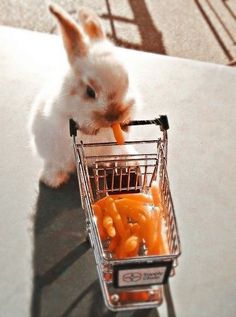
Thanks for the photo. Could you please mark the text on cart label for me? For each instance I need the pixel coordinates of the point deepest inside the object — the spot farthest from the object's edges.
(143, 276)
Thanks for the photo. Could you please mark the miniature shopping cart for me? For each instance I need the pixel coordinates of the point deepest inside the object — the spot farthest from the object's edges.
(134, 282)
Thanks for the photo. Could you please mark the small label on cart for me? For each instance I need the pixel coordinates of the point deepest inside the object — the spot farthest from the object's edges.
(142, 276)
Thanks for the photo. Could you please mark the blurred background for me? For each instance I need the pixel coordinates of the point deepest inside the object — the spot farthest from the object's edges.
(202, 30)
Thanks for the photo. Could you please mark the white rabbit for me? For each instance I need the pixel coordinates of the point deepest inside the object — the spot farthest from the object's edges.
(95, 91)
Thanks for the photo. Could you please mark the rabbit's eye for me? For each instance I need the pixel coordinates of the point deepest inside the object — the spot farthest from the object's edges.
(90, 92)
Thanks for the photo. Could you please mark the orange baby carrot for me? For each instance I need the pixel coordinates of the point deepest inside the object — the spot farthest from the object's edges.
(123, 296)
(131, 244)
(141, 214)
(155, 193)
(138, 197)
(99, 217)
(156, 221)
(148, 232)
(97, 211)
(113, 243)
(140, 296)
(112, 211)
(133, 253)
(108, 225)
(123, 216)
(132, 213)
(135, 229)
(120, 251)
(102, 202)
(163, 246)
(160, 246)
(118, 134)
(111, 231)
(126, 204)
(107, 222)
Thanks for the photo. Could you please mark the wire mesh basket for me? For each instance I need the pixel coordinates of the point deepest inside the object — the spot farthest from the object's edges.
(134, 282)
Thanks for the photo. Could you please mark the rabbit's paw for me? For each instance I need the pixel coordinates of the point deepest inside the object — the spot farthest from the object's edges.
(54, 178)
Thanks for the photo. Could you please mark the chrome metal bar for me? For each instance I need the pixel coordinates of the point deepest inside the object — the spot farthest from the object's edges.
(115, 144)
(115, 174)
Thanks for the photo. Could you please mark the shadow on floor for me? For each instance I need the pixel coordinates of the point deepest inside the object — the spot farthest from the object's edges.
(205, 5)
(59, 239)
(65, 277)
(151, 37)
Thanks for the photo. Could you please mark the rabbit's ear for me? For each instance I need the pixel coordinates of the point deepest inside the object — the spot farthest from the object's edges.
(73, 37)
(91, 24)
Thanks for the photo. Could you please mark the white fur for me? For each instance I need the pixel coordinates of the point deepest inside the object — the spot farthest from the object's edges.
(65, 99)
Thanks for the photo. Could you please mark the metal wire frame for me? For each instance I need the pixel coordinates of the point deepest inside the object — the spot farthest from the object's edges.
(145, 168)
(142, 169)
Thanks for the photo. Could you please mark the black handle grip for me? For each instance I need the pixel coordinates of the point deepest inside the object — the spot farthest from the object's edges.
(73, 128)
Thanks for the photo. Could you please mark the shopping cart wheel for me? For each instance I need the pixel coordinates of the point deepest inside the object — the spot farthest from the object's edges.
(87, 239)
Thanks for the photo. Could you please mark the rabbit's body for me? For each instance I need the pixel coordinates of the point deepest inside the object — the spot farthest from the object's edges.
(95, 91)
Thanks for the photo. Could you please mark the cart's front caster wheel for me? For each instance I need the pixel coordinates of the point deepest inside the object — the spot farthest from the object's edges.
(87, 238)
(115, 298)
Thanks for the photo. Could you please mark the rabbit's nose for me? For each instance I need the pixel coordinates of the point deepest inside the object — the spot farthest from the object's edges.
(112, 116)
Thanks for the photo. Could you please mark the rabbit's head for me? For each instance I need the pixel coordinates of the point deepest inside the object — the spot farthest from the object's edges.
(99, 89)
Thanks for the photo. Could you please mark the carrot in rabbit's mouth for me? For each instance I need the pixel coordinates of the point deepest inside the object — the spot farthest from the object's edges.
(118, 134)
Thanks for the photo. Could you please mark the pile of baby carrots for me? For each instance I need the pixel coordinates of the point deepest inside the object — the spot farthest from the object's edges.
(129, 220)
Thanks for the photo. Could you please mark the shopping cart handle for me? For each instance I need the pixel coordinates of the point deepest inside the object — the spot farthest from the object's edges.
(162, 121)
(73, 128)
